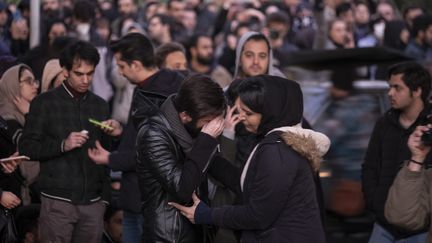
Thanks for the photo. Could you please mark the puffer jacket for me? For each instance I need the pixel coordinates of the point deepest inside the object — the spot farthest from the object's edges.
(169, 173)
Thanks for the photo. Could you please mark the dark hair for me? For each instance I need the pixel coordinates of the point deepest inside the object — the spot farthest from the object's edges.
(392, 33)
(79, 50)
(251, 93)
(278, 17)
(22, 68)
(258, 37)
(164, 19)
(84, 10)
(165, 49)
(421, 23)
(343, 8)
(239, 26)
(414, 76)
(200, 96)
(135, 46)
(168, 3)
(51, 23)
(232, 92)
(193, 42)
(410, 7)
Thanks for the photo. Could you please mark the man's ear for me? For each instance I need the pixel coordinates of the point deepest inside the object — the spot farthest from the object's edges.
(65, 73)
(136, 65)
(417, 92)
(184, 117)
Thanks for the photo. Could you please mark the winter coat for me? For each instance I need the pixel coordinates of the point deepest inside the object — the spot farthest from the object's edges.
(170, 166)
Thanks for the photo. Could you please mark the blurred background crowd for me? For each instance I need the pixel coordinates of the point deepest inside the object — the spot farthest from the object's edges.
(337, 50)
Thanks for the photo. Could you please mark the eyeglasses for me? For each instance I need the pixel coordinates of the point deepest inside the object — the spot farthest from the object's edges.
(30, 81)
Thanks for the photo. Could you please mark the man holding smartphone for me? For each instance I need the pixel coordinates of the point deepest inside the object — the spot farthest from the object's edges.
(74, 190)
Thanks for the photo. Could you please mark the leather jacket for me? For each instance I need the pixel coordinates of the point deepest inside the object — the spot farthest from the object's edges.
(166, 173)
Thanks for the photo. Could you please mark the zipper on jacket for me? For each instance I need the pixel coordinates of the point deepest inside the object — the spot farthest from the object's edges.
(174, 227)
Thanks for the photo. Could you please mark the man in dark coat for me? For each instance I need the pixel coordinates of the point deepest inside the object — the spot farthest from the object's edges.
(410, 85)
(136, 61)
(175, 146)
(58, 133)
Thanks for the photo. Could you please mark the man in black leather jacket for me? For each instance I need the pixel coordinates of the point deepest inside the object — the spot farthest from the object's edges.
(135, 58)
(175, 146)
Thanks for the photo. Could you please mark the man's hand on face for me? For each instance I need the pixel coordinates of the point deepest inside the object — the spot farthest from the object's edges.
(215, 127)
(75, 140)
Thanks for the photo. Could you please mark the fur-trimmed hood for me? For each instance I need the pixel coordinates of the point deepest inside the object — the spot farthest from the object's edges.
(308, 143)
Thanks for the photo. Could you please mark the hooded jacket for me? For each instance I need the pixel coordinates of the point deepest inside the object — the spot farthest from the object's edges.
(277, 185)
(272, 70)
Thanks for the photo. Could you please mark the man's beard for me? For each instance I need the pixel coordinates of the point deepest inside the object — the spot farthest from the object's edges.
(205, 60)
(191, 128)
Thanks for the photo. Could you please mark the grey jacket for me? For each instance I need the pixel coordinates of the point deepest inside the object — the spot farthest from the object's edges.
(409, 201)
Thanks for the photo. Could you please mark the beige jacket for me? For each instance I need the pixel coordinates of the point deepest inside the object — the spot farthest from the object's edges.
(410, 199)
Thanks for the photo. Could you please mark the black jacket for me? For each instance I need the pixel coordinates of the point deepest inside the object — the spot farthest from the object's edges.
(152, 94)
(70, 176)
(279, 199)
(385, 155)
(168, 164)
(10, 134)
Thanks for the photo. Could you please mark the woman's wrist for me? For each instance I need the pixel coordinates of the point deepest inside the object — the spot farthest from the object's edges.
(203, 214)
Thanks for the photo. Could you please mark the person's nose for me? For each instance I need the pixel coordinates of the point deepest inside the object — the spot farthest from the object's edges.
(86, 79)
(390, 92)
(241, 116)
(255, 60)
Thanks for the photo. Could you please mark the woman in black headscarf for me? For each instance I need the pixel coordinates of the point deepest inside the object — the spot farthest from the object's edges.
(277, 185)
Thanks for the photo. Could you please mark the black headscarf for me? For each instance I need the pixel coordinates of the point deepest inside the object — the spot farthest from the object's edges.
(283, 103)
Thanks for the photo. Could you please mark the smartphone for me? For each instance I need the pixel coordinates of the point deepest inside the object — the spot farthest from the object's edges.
(98, 123)
(21, 157)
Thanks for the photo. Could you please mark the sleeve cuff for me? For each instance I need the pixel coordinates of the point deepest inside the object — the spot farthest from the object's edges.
(229, 134)
(205, 146)
(412, 175)
(203, 214)
(62, 146)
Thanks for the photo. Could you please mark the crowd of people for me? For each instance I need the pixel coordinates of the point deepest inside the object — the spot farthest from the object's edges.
(189, 101)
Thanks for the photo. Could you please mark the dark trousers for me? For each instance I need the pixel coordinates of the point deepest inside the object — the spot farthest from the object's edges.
(63, 222)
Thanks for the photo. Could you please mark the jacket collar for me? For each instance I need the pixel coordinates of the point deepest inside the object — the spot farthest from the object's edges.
(393, 116)
(72, 93)
(172, 116)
